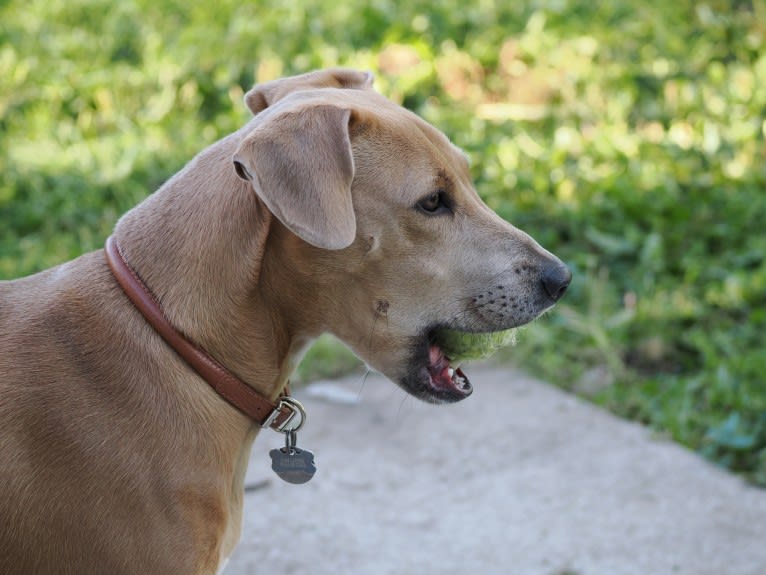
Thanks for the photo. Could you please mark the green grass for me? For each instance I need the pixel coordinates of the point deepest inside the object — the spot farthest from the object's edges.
(628, 137)
(327, 358)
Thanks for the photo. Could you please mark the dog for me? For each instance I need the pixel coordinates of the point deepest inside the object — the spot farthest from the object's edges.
(332, 210)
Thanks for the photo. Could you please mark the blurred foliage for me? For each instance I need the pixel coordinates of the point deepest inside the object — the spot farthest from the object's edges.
(628, 137)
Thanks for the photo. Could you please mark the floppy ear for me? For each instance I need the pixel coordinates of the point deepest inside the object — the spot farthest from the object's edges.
(300, 164)
(269, 93)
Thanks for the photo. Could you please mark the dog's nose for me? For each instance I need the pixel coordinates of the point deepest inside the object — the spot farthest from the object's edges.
(556, 278)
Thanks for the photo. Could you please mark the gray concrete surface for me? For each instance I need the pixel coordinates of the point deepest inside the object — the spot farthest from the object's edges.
(519, 479)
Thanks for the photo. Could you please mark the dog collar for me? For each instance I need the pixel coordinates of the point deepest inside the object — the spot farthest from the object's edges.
(285, 416)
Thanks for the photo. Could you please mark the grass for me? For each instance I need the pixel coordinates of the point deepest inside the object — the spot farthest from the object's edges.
(628, 137)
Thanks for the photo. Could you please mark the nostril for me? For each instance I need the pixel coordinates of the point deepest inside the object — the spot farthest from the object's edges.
(556, 280)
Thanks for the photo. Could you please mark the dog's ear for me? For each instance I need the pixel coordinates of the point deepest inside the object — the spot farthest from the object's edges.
(300, 164)
(269, 93)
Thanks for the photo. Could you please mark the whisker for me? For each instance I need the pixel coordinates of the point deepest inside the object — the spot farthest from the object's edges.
(363, 382)
(491, 282)
(380, 310)
(401, 406)
(372, 331)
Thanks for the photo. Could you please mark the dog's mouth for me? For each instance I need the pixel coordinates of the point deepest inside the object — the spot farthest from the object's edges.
(443, 377)
(432, 377)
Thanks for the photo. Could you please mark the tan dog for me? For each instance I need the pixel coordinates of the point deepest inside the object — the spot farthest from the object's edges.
(333, 210)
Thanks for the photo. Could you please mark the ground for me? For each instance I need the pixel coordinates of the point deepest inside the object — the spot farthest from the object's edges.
(519, 479)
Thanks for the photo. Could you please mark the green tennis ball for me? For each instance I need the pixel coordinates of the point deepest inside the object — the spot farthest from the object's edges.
(460, 346)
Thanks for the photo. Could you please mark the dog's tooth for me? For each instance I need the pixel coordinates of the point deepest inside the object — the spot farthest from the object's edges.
(451, 372)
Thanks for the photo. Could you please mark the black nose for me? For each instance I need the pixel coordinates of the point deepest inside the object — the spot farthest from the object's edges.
(556, 278)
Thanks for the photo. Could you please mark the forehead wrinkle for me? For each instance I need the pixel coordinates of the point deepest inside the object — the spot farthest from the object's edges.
(424, 147)
(448, 154)
(443, 179)
(442, 142)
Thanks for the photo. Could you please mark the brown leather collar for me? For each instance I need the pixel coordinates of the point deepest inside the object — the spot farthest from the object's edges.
(225, 383)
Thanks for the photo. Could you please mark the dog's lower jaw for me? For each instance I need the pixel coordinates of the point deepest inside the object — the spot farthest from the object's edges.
(437, 382)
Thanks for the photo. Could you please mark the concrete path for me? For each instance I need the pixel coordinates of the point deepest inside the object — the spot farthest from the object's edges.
(519, 479)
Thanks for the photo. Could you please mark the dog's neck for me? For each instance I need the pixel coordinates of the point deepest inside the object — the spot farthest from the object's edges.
(205, 268)
(200, 244)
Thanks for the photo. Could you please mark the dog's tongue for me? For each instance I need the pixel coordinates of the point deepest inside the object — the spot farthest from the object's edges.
(439, 367)
(442, 374)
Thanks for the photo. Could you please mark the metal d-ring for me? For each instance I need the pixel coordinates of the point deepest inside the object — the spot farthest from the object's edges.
(299, 413)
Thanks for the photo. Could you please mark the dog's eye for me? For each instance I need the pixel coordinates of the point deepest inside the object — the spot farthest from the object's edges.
(435, 203)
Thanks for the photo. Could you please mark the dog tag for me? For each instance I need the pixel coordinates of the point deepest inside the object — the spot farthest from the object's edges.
(292, 464)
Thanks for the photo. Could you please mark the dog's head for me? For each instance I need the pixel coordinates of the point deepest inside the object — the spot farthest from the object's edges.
(380, 219)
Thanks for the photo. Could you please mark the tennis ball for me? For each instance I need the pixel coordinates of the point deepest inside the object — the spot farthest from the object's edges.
(460, 346)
